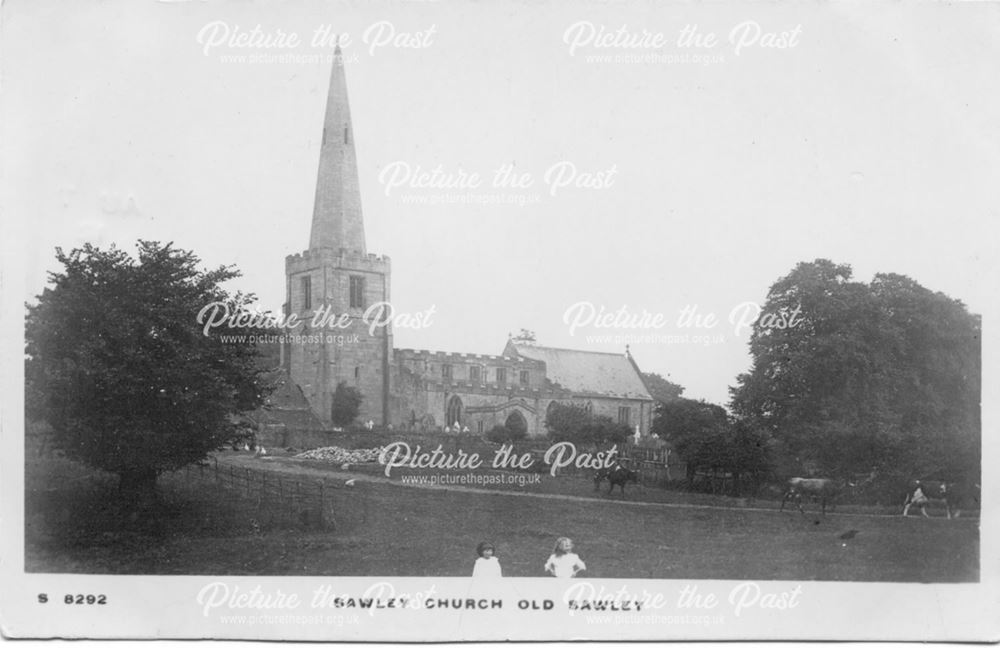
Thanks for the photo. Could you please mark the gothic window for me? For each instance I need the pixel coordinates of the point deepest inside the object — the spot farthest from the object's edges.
(357, 373)
(357, 292)
(479, 427)
(446, 372)
(454, 414)
(475, 374)
(524, 378)
(347, 135)
(588, 407)
(307, 292)
(624, 414)
(501, 375)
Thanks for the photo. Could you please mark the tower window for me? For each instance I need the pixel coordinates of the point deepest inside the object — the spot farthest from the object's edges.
(307, 292)
(357, 292)
(347, 135)
(475, 374)
(524, 379)
(357, 373)
(501, 375)
(446, 372)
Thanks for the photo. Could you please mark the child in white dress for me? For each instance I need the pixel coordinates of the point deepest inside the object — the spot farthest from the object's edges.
(487, 565)
(563, 563)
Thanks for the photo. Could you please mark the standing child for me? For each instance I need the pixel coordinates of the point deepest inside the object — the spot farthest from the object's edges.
(563, 563)
(487, 565)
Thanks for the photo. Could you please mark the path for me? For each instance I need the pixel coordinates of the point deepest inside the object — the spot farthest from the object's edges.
(283, 465)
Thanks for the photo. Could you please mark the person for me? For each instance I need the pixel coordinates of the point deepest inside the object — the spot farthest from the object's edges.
(563, 563)
(487, 565)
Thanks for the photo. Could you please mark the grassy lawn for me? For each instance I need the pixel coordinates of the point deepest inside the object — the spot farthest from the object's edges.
(386, 529)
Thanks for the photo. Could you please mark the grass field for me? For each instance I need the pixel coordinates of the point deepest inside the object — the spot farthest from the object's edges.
(387, 529)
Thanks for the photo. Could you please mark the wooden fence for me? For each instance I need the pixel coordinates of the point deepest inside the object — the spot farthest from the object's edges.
(656, 466)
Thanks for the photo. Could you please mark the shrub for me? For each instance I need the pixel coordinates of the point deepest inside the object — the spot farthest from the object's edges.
(504, 434)
(346, 405)
(575, 424)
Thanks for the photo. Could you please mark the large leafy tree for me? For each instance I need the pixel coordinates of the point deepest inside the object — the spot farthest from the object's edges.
(119, 366)
(706, 438)
(882, 375)
(686, 424)
(662, 389)
(938, 365)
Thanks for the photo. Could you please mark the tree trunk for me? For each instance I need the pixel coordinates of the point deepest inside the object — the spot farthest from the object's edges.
(137, 489)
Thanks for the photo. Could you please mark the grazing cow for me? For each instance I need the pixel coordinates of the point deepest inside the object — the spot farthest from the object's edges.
(617, 476)
(922, 493)
(822, 489)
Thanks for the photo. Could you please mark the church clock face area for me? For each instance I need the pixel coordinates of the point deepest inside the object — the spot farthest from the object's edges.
(586, 327)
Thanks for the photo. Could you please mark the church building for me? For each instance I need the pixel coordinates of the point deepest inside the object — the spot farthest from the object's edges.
(408, 388)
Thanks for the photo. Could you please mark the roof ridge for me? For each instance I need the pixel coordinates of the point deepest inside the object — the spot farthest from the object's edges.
(540, 346)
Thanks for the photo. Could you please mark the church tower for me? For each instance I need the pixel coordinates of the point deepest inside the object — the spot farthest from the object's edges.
(332, 285)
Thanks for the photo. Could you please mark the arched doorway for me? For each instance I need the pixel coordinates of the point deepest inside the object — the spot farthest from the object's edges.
(516, 424)
(453, 413)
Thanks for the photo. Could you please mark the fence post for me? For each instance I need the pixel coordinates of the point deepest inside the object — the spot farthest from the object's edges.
(263, 499)
(322, 505)
(281, 500)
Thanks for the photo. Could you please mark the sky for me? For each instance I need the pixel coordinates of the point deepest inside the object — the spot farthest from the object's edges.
(664, 176)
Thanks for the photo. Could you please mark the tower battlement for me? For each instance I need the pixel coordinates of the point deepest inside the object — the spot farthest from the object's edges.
(441, 356)
(337, 258)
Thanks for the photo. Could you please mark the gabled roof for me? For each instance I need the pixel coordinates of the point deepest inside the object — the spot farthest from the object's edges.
(287, 405)
(589, 373)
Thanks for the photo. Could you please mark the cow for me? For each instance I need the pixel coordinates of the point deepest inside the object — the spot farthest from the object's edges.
(617, 475)
(824, 490)
(922, 493)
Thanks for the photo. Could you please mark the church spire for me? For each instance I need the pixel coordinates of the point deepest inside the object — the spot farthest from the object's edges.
(337, 220)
